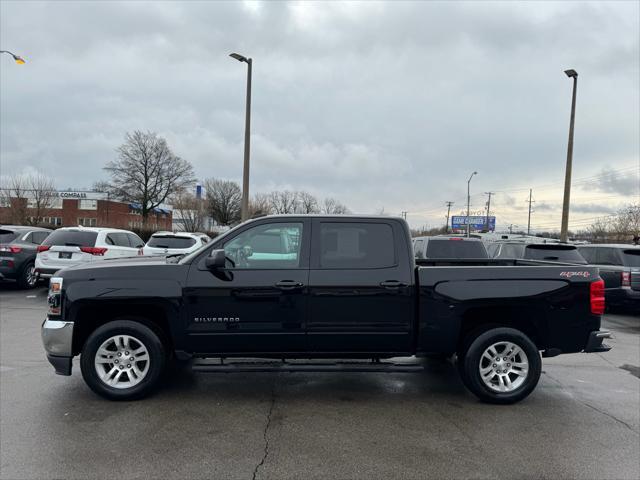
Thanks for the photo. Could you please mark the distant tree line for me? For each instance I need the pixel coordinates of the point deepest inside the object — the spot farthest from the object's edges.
(222, 201)
(622, 227)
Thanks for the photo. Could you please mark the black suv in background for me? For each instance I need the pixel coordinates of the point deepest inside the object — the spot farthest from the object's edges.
(619, 267)
(448, 247)
(18, 249)
(548, 252)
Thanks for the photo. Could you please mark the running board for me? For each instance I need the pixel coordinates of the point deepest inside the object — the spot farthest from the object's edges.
(292, 367)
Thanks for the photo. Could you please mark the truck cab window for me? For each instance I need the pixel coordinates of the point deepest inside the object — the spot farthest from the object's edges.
(356, 245)
(276, 245)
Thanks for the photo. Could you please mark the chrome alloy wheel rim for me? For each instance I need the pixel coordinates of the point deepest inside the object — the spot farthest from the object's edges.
(31, 276)
(504, 367)
(122, 361)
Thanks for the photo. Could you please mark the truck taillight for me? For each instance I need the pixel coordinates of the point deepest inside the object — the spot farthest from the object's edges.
(54, 299)
(99, 251)
(625, 279)
(43, 248)
(597, 297)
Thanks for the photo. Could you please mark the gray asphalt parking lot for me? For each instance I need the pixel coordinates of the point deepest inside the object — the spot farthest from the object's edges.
(581, 422)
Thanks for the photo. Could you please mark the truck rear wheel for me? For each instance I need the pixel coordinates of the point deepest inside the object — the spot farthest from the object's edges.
(123, 360)
(501, 365)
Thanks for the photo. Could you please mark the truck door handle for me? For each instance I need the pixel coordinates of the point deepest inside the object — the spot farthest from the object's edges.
(392, 284)
(288, 284)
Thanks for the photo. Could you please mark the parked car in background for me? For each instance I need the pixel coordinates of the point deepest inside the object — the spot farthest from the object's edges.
(170, 243)
(445, 246)
(18, 249)
(619, 267)
(71, 246)
(548, 252)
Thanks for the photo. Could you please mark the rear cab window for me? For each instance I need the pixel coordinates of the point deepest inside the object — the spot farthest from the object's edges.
(354, 245)
(554, 253)
(455, 248)
(71, 238)
(171, 241)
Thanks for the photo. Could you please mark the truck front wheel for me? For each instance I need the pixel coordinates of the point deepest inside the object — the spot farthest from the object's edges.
(501, 365)
(123, 360)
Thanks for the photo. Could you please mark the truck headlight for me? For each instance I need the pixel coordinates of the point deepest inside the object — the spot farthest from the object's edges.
(54, 298)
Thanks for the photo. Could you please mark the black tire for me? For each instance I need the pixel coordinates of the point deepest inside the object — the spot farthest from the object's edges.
(27, 278)
(470, 362)
(141, 334)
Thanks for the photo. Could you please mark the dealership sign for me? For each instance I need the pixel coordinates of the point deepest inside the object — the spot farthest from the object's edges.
(476, 223)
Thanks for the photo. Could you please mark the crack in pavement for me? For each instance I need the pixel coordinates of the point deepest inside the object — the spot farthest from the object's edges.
(606, 414)
(265, 432)
(610, 416)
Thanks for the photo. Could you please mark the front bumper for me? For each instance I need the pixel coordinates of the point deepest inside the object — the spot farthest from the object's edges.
(57, 338)
(594, 344)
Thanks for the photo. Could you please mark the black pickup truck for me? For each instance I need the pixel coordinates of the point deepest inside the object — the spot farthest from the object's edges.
(302, 288)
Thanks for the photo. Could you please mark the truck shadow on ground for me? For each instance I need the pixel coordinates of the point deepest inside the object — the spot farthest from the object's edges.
(438, 378)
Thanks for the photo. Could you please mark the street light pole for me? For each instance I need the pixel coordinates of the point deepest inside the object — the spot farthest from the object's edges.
(564, 228)
(19, 60)
(469, 203)
(244, 215)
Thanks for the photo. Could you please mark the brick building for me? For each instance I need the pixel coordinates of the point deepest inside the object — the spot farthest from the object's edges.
(89, 209)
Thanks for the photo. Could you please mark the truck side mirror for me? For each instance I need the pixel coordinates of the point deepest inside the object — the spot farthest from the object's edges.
(216, 260)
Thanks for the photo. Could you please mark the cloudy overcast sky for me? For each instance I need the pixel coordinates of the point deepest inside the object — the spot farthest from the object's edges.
(381, 105)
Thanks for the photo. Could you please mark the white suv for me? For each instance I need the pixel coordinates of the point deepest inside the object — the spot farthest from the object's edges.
(169, 243)
(71, 246)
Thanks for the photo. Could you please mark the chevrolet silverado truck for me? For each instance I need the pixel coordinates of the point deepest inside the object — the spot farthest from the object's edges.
(344, 291)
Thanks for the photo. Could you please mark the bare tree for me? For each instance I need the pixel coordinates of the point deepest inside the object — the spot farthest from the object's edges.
(14, 195)
(331, 206)
(30, 198)
(307, 203)
(190, 211)
(147, 171)
(284, 201)
(260, 204)
(42, 195)
(223, 200)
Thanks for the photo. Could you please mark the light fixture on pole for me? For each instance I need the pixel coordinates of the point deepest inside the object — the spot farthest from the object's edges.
(469, 203)
(564, 227)
(247, 135)
(19, 60)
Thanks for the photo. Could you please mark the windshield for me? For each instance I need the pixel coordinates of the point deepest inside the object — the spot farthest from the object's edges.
(7, 236)
(71, 238)
(446, 248)
(554, 253)
(631, 258)
(170, 241)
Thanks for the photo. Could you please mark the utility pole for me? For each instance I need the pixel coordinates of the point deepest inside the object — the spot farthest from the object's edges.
(530, 202)
(469, 203)
(564, 228)
(446, 225)
(488, 209)
(511, 228)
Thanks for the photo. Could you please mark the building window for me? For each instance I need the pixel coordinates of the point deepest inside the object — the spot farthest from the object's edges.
(51, 203)
(55, 221)
(87, 222)
(88, 204)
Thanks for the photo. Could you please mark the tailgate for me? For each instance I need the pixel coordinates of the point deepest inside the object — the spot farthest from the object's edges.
(59, 256)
